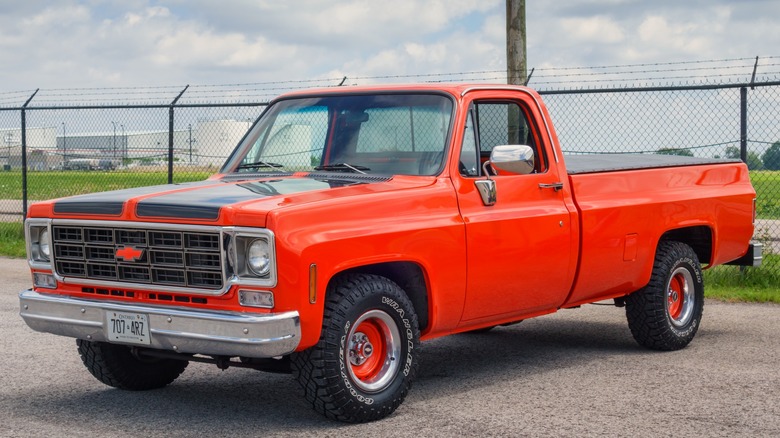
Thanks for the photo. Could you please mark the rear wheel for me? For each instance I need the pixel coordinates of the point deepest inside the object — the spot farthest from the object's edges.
(665, 314)
(366, 359)
(117, 366)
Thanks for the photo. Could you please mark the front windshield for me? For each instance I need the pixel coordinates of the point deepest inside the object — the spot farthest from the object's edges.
(383, 134)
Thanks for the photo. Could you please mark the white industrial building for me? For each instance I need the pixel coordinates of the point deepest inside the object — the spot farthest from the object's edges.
(205, 143)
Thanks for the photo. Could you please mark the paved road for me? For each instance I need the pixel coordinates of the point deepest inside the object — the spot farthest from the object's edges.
(575, 373)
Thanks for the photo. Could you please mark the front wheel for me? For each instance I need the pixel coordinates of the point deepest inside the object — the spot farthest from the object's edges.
(366, 359)
(117, 366)
(665, 314)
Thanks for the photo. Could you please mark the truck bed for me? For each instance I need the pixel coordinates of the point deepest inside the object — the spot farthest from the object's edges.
(626, 202)
(582, 164)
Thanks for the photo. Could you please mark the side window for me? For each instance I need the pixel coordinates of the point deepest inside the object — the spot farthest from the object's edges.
(469, 162)
(505, 123)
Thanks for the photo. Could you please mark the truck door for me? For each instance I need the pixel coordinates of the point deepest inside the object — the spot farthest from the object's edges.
(519, 250)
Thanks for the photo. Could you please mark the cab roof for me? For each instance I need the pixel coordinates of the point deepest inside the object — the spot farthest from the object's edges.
(455, 89)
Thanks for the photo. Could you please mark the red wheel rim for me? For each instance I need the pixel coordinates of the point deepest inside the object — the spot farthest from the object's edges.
(680, 297)
(675, 296)
(373, 351)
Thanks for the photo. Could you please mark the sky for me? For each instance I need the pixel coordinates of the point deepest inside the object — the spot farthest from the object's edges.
(146, 43)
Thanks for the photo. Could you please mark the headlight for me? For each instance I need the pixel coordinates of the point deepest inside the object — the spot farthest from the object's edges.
(38, 242)
(258, 257)
(251, 254)
(43, 244)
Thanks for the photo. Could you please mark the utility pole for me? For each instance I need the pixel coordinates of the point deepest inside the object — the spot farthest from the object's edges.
(516, 59)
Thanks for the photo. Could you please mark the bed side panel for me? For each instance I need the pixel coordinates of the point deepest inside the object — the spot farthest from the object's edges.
(624, 214)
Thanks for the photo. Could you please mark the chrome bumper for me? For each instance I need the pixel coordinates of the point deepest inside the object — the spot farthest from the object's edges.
(179, 330)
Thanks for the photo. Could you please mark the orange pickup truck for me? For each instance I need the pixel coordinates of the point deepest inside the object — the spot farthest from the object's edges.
(350, 224)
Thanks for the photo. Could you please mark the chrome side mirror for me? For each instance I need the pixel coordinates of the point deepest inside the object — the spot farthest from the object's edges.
(514, 159)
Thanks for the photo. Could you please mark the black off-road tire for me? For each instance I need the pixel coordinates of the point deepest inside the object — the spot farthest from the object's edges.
(115, 365)
(367, 356)
(666, 314)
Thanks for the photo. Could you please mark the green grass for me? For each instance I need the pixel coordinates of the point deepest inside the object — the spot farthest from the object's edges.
(56, 184)
(728, 283)
(732, 283)
(12, 239)
(767, 185)
(725, 283)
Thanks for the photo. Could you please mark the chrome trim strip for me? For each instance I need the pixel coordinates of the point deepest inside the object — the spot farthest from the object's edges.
(522, 90)
(172, 329)
(142, 225)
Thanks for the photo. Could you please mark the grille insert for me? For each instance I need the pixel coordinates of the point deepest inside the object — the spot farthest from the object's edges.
(165, 257)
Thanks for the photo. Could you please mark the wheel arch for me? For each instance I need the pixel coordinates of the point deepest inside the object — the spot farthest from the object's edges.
(699, 238)
(408, 275)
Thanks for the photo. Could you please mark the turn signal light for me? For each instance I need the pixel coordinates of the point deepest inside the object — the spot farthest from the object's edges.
(256, 298)
(44, 280)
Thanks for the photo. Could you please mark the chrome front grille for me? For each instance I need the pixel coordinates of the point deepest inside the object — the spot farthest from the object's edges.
(179, 258)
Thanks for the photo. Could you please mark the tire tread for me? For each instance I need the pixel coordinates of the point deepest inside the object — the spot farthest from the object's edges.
(316, 368)
(646, 308)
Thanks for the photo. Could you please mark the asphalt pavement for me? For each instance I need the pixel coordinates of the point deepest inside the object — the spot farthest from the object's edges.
(574, 373)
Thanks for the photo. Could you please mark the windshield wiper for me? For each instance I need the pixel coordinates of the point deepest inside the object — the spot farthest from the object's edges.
(260, 164)
(343, 167)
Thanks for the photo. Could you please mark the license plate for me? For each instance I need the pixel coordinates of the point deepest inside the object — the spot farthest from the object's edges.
(129, 328)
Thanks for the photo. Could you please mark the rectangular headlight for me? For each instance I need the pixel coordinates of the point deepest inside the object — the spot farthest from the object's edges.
(252, 256)
(39, 241)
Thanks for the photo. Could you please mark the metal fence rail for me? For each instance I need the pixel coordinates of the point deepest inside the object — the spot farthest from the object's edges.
(51, 151)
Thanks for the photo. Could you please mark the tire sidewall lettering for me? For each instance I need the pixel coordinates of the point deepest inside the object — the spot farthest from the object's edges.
(407, 326)
(690, 265)
(398, 314)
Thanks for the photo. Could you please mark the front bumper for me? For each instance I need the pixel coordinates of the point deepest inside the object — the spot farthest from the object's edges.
(174, 329)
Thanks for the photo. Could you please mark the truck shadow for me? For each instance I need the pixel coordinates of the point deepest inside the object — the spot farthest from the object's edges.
(249, 403)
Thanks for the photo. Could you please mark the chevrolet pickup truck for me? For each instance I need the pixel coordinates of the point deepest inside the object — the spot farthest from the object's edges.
(350, 224)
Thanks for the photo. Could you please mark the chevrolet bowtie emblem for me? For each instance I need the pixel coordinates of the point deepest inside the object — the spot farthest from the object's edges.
(129, 254)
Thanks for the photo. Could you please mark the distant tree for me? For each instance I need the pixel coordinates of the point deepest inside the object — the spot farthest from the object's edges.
(772, 157)
(673, 151)
(753, 159)
(732, 152)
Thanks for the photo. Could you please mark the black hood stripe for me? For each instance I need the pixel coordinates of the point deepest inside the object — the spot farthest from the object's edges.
(112, 203)
(206, 199)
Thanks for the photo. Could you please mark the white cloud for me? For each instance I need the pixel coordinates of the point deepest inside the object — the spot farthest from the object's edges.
(144, 42)
(598, 29)
(657, 31)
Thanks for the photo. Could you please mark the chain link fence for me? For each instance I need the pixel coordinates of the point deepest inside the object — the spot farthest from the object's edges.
(738, 121)
(49, 151)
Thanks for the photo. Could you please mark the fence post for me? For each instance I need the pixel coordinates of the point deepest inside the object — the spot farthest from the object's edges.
(24, 154)
(170, 134)
(743, 124)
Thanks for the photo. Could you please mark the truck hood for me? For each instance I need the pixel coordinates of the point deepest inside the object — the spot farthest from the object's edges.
(227, 200)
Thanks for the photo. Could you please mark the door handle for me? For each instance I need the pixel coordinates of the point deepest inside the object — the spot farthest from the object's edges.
(555, 186)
